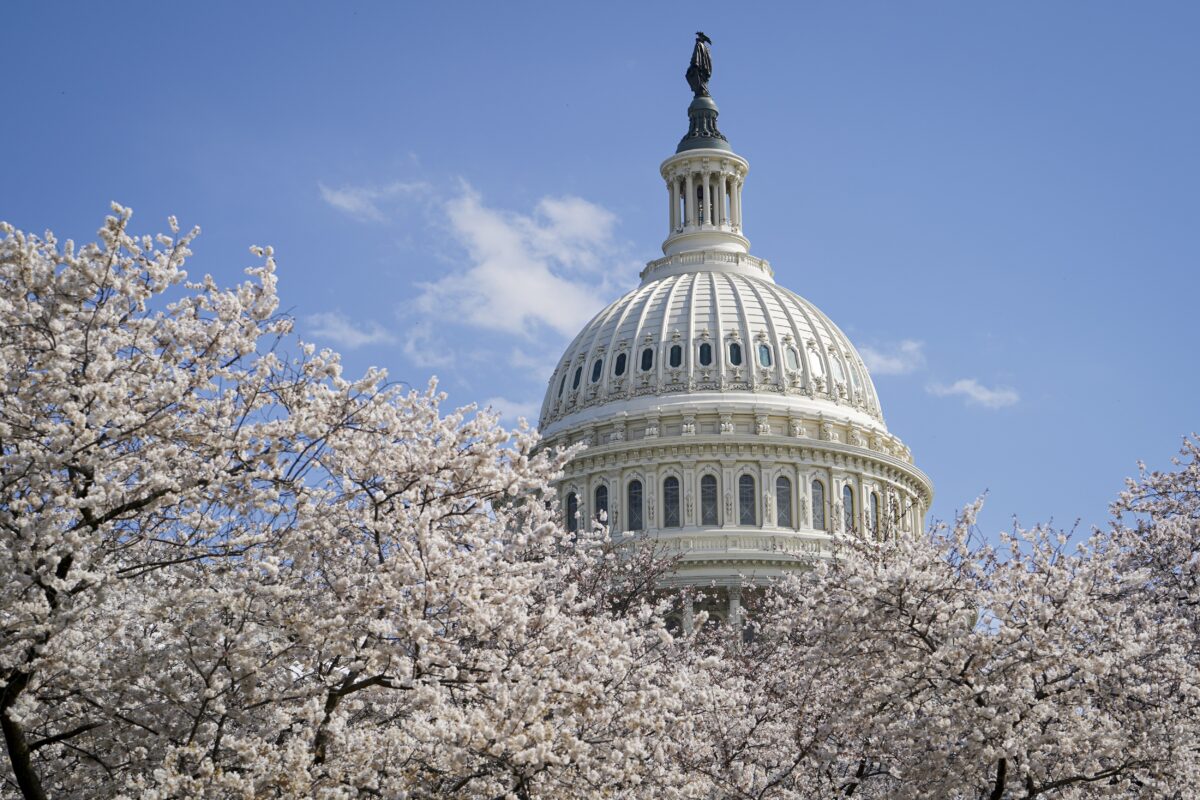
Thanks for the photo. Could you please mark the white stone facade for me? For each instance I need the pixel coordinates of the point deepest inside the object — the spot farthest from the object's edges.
(723, 414)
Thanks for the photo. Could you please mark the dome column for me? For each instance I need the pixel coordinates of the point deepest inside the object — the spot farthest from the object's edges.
(689, 201)
(721, 219)
(673, 192)
(707, 176)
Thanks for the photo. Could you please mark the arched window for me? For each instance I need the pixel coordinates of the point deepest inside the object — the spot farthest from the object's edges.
(647, 359)
(848, 509)
(783, 502)
(633, 503)
(601, 504)
(818, 505)
(597, 367)
(793, 359)
(735, 354)
(746, 515)
(578, 375)
(671, 502)
(676, 355)
(562, 385)
(764, 355)
(875, 517)
(705, 354)
(572, 512)
(620, 368)
(708, 500)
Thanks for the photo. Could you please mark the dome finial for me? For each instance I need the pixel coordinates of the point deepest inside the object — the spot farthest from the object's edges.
(702, 113)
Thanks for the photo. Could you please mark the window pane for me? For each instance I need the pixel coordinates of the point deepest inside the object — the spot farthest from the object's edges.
(676, 355)
(735, 354)
(875, 515)
(764, 355)
(848, 509)
(572, 512)
(671, 503)
(746, 515)
(601, 500)
(647, 358)
(634, 501)
(705, 354)
(793, 360)
(575, 380)
(783, 502)
(818, 505)
(708, 500)
(596, 368)
(562, 384)
(620, 370)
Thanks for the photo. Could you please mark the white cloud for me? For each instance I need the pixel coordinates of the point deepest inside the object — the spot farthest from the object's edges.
(527, 272)
(425, 350)
(897, 359)
(334, 328)
(362, 202)
(511, 410)
(977, 393)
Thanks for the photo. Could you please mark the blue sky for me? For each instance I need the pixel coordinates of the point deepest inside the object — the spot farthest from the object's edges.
(998, 203)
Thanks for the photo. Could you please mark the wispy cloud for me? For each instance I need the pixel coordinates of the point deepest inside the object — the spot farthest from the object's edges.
(424, 349)
(976, 393)
(897, 359)
(527, 272)
(512, 410)
(363, 202)
(333, 327)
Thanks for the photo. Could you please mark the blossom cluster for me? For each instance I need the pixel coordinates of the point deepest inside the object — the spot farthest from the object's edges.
(230, 572)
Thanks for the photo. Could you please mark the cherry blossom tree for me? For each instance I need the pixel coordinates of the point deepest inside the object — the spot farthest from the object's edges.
(230, 573)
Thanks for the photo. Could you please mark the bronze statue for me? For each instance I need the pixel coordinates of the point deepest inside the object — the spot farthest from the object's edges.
(700, 70)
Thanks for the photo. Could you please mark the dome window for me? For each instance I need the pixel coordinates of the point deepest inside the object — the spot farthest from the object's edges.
(671, 502)
(562, 385)
(705, 354)
(735, 354)
(793, 359)
(633, 500)
(783, 502)
(818, 505)
(596, 368)
(848, 509)
(676, 357)
(619, 370)
(647, 359)
(764, 355)
(601, 501)
(572, 513)
(746, 515)
(875, 516)
(575, 380)
(708, 500)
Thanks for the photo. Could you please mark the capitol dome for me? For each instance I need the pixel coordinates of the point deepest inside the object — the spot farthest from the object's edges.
(724, 416)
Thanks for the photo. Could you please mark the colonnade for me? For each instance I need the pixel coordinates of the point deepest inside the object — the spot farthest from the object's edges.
(705, 198)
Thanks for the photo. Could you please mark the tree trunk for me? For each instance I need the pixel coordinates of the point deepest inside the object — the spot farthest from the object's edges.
(14, 739)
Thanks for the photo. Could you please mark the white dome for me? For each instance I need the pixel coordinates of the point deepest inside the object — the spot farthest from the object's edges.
(723, 310)
(723, 417)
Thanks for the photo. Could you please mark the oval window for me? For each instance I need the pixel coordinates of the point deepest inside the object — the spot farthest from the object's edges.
(578, 375)
(764, 355)
(596, 367)
(620, 368)
(676, 355)
(705, 354)
(735, 354)
(647, 359)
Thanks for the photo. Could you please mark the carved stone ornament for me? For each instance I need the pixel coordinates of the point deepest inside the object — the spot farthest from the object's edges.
(856, 438)
(652, 429)
(689, 426)
(728, 505)
(798, 429)
(762, 425)
(727, 424)
(827, 432)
